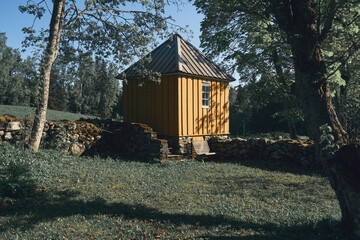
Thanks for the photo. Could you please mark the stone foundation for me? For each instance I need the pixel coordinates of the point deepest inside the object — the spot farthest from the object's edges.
(183, 145)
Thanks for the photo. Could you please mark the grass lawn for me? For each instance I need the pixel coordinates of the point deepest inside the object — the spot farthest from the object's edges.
(29, 112)
(64, 197)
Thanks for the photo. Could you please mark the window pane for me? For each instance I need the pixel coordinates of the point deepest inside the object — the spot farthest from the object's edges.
(205, 94)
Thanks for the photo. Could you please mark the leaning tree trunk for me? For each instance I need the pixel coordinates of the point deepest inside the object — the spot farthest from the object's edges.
(49, 57)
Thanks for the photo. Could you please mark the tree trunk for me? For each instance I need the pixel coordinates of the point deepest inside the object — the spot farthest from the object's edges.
(49, 57)
(297, 20)
(313, 93)
(344, 169)
(292, 130)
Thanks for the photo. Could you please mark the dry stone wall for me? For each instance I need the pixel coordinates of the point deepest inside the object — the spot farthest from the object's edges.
(139, 141)
(237, 149)
(74, 137)
(129, 140)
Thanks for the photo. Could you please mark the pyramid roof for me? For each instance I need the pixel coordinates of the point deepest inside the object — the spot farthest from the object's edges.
(176, 55)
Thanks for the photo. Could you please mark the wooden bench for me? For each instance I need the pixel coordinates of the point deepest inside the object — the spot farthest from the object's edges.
(201, 150)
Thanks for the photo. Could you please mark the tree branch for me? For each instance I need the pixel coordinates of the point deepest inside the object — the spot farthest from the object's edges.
(333, 7)
(345, 59)
(86, 10)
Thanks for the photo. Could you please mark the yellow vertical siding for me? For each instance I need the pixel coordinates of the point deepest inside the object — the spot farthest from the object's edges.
(125, 100)
(174, 107)
(194, 120)
(153, 104)
(212, 115)
(184, 112)
(165, 101)
(190, 105)
(196, 107)
(226, 107)
(179, 107)
(218, 109)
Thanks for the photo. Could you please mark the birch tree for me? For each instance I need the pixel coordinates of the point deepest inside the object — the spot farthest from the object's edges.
(109, 28)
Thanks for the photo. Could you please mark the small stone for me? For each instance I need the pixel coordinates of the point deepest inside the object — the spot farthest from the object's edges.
(72, 126)
(8, 136)
(13, 126)
(2, 133)
(77, 149)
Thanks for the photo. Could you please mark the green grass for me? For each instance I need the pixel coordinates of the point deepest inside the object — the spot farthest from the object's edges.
(29, 112)
(270, 135)
(94, 198)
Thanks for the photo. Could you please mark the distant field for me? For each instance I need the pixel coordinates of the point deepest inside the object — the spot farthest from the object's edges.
(29, 112)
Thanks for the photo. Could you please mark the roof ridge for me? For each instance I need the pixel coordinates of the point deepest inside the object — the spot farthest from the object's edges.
(207, 59)
(182, 58)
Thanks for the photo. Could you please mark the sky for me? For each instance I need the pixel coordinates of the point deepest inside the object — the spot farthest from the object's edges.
(12, 21)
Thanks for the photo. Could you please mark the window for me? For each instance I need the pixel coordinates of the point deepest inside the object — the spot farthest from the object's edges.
(205, 95)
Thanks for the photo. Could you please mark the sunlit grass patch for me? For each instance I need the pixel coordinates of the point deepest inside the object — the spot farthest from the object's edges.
(84, 198)
(29, 112)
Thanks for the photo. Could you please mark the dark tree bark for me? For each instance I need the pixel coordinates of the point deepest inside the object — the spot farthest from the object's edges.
(344, 170)
(297, 20)
(49, 57)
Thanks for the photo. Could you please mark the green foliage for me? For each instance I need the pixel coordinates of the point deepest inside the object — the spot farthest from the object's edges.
(17, 76)
(118, 30)
(244, 36)
(91, 85)
(258, 107)
(79, 198)
(327, 141)
(254, 37)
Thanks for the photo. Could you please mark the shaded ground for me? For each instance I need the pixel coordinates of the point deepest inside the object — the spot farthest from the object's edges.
(79, 198)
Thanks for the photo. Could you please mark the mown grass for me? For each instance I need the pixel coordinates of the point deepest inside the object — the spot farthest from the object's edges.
(29, 112)
(93, 198)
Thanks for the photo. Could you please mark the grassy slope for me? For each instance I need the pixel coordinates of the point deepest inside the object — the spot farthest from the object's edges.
(28, 112)
(93, 198)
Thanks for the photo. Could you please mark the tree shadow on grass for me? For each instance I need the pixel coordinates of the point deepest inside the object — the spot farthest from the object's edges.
(275, 188)
(16, 181)
(51, 205)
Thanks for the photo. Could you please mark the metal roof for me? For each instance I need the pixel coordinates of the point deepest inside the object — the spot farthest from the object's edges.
(176, 55)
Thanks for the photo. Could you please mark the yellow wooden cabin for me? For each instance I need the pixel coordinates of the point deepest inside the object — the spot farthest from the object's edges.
(192, 99)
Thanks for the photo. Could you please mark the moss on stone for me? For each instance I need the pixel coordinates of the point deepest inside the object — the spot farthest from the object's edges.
(3, 119)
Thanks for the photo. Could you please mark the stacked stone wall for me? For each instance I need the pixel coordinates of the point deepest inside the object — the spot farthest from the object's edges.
(89, 136)
(139, 141)
(238, 149)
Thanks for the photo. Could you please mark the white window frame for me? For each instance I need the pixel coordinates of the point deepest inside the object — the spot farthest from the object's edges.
(205, 90)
